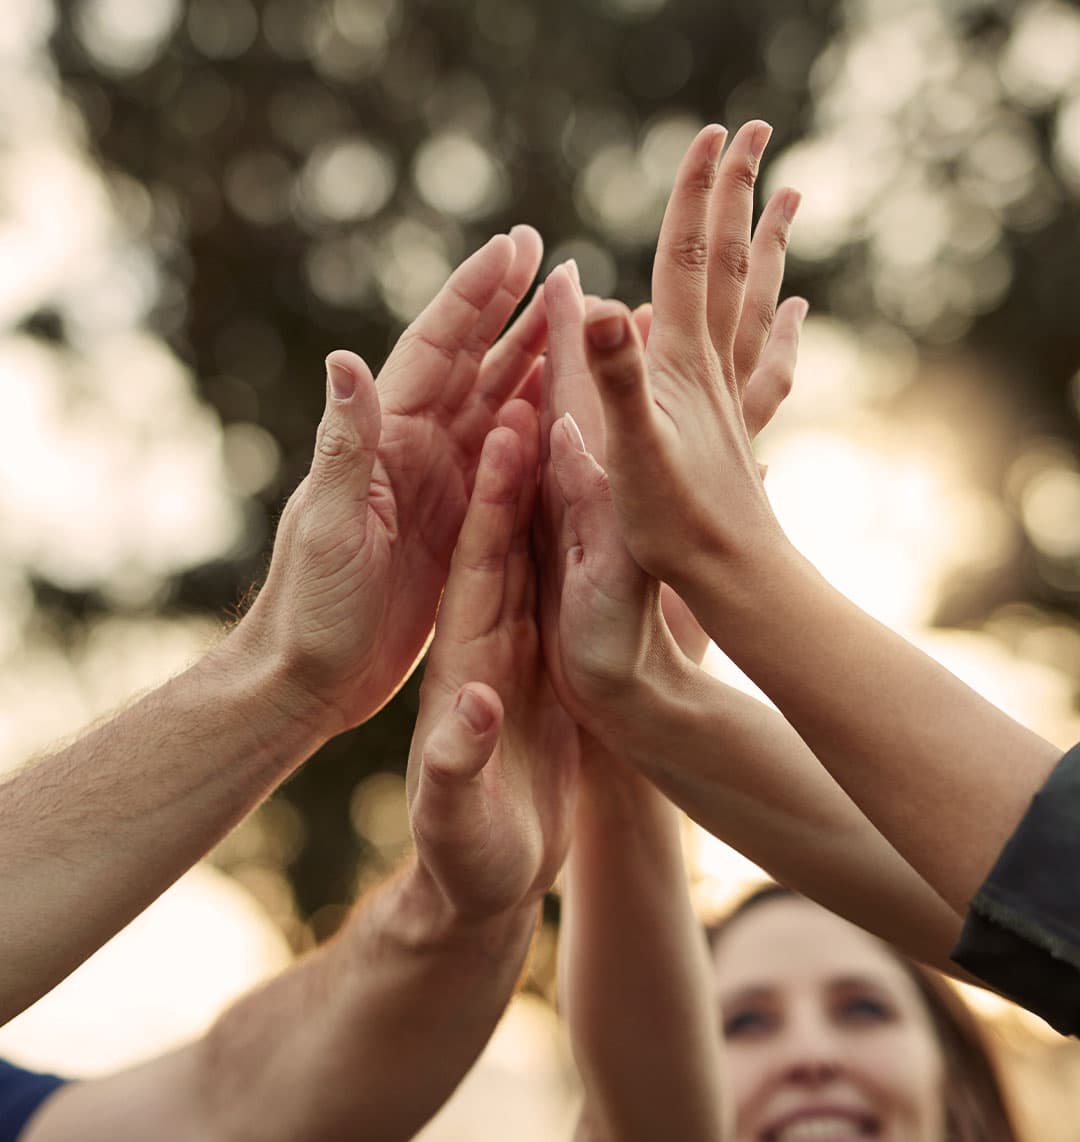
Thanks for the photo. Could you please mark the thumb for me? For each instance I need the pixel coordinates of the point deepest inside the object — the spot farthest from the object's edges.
(617, 363)
(582, 483)
(448, 808)
(348, 433)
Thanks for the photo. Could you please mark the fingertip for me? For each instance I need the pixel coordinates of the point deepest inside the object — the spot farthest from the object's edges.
(791, 202)
(526, 237)
(607, 327)
(479, 707)
(499, 248)
(344, 372)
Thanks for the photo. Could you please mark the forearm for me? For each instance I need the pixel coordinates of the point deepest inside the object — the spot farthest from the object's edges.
(369, 1036)
(940, 771)
(743, 773)
(364, 1039)
(92, 834)
(636, 988)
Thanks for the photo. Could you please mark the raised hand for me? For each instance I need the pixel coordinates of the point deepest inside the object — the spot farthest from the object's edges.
(601, 613)
(680, 411)
(493, 766)
(364, 543)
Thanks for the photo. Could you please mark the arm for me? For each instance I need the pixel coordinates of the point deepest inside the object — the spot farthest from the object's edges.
(943, 774)
(635, 986)
(736, 767)
(364, 1039)
(92, 834)
(367, 1037)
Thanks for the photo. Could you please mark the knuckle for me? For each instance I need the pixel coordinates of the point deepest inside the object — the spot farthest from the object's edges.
(438, 760)
(781, 238)
(691, 253)
(333, 443)
(763, 317)
(734, 257)
(743, 176)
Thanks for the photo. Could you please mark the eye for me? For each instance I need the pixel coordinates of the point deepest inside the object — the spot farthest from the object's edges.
(747, 1022)
(864, 1009)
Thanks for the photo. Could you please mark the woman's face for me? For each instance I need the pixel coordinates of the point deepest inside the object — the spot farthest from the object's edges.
(826, 1036)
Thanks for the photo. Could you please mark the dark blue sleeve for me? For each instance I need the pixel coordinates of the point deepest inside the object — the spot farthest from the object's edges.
(1022, 932)
(21, 1093)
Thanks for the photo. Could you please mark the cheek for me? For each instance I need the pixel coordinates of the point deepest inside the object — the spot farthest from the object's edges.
(907, 1069)
(748, 1070)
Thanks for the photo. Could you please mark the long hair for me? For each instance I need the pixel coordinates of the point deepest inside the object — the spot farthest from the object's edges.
(976, 1104)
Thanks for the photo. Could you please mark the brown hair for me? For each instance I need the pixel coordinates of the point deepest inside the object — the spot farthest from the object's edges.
(976, 1104)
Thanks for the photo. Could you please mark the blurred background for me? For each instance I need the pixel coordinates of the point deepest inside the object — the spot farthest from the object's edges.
(200, 198)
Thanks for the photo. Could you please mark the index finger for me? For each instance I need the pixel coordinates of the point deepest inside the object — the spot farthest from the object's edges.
(680, 272)
(729, 247)
(473, 601)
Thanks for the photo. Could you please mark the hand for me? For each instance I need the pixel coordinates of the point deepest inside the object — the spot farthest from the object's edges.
(680, 412)
(592, 582)
(364, 544)
(492, 770)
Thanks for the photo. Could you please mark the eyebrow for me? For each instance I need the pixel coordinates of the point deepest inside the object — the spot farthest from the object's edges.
(758, 991)
(855, 982)
(750, 992)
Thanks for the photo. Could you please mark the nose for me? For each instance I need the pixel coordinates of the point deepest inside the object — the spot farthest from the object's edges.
(812, 1054)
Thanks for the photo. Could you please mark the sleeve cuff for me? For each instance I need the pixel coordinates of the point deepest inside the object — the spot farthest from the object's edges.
(1022, 932)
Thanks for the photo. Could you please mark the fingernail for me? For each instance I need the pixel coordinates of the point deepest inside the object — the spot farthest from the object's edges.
(607, 333)
(716, 144)
(572, 270)
(760, 140)
(791, 204)
(476, 713)
(342, 381)
(802, 309)
(573, 431)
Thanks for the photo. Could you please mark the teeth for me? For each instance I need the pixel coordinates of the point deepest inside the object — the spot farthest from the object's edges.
(833, 1127)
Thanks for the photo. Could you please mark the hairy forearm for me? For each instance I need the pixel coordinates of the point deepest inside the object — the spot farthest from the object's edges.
(636, 988)
(364, 1039)
(368, 1037)
(92, 834)
(940, 771)
(743, 773)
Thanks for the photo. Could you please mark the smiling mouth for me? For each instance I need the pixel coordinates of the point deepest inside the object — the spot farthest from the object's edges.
(824, 1128)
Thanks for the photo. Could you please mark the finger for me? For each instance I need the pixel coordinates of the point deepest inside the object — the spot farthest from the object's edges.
(731, 215)
(767, 254)
(473, 601)
(593, 537)
(449, 326)
(572, 388)
(449, 813)
(528, 250)
(348, 433)
(519, 586)
(772, 380)
(581, 480)
(509, 360)
(616, 360)
(531, 388)
(680, 272)
(643, 316)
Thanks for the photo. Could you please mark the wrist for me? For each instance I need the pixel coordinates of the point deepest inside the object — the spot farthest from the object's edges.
(252, 680)
(423, 921)
(285, 705)
(725, 563)
(750, 581)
